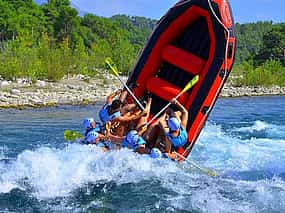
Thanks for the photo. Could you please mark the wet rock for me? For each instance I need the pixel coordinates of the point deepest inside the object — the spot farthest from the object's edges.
(15, 91)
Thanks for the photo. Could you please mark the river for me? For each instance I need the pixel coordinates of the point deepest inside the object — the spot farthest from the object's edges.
(243, 141)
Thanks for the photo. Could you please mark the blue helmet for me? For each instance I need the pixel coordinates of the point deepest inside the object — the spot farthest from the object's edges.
(155, 153)
(133, 140)
(87, 122)
(173, 123)
(92, 136)
(133, 137)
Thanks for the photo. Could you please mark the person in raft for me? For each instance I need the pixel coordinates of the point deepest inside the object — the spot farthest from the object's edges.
(115, 110)
(122, 116)
(134, 138)
(90, 124)
(98, 139)
(111, 109)
(174, 129)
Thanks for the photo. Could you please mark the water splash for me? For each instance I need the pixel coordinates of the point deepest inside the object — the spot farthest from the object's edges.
(256, 127)
(2, 153)
(57, 172)
(247, 150)
(219, 149)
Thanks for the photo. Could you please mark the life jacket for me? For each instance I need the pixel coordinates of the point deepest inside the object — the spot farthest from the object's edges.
(98, 128)
(179, 141)
(107, 144)
(104, 114)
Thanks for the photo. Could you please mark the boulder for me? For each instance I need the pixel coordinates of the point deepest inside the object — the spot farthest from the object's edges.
(5, 83)
(40, 83)
(15, 91)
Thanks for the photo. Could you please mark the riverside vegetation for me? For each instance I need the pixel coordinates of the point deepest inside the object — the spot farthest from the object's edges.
(50, 41)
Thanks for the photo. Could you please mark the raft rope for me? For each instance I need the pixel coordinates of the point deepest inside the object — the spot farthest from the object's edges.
(226, 52)
(228, 36)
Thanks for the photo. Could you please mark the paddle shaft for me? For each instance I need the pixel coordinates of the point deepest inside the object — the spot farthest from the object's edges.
(205, 170)
(125, 85)
(187, 87)
(164, 108)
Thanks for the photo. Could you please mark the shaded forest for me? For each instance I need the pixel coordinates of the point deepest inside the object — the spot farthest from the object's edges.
(51, 40)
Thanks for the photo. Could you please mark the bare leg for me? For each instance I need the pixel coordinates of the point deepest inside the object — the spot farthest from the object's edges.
(151, 135)
(167, 145)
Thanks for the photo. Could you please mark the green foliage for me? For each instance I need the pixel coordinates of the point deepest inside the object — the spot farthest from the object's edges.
(51, 40)
(273, 45)
(270, 73)
(139, 28)
(249, 39)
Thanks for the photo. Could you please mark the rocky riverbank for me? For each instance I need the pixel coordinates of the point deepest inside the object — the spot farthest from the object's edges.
(232, 91)
(76, 90)
(79, 90)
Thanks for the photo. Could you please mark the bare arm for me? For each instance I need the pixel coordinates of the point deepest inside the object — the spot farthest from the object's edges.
(184, 116)
(115, 138)
(112, 96)
(128, 118)
(163, 126)
(162, 123)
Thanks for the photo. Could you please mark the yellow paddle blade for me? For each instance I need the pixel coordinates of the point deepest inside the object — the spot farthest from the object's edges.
(212, 173)
(70, 135)
(191, 83)
(205, 170)
(112, 66)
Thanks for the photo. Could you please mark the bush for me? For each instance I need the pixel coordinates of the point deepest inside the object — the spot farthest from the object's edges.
(270, 73)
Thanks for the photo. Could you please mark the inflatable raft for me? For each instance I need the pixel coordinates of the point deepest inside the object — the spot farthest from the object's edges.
(195, 37)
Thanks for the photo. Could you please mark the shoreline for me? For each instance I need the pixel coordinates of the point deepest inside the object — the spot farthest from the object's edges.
(78, 90)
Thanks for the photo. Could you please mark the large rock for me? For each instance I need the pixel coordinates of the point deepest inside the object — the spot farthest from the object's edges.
(40, 83)
(23, 81)
(15, 91)
(4, 99)
(4, 83)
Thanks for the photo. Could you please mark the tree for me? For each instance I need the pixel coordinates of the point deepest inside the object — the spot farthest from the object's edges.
(273, 45)
(61, 18)
(249, 39)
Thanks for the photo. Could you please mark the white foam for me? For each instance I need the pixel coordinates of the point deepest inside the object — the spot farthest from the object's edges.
(257, 126)
(6, 187)
(3, 151)
(272, 130)
(59, 172)
(221, 150)
(56, 173)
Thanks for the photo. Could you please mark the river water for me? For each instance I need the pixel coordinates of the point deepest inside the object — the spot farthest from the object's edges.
(243, 141)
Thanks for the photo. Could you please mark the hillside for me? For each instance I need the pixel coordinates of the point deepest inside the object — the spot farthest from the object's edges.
(50, 40)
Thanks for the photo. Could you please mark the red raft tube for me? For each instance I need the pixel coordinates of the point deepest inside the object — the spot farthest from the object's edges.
(195, 37)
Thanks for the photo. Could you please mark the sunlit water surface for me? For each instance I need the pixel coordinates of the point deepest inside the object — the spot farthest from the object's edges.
(243, 140)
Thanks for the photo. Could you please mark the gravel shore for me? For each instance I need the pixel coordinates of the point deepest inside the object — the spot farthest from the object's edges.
(79, 90)
(76, 90)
